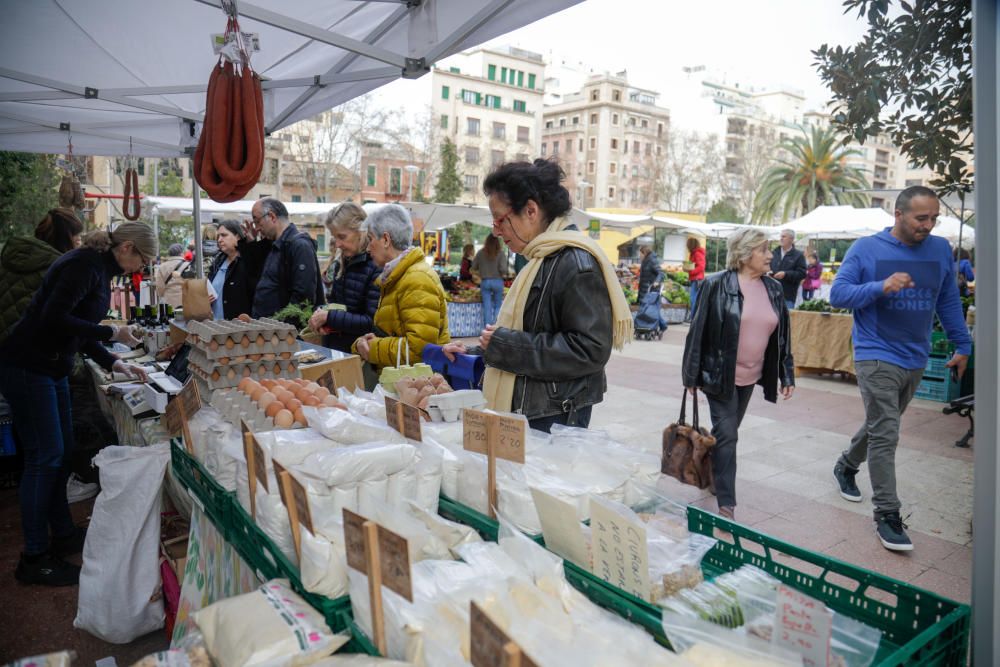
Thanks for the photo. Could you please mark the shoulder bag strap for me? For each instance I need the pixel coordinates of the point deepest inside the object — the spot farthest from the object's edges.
(694, 402)
(170, 275)
(684, 398)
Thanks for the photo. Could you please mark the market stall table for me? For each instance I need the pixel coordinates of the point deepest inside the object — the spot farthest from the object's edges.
(821, 342)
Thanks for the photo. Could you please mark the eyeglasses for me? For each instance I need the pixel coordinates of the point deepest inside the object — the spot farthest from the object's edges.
(145, 260)
(258, 218)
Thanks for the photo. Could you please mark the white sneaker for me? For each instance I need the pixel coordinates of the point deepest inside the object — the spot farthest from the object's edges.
(77, 489)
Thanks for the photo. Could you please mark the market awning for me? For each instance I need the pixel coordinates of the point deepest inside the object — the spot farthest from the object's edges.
(840, 222)
(119, 72)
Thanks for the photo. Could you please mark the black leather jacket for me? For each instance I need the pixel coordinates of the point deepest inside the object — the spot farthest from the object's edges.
(714, 336)
(560, 355)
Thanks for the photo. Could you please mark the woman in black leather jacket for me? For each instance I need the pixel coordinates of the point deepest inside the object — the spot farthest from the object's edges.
(739, 338)
(233, 277)
(565, 311)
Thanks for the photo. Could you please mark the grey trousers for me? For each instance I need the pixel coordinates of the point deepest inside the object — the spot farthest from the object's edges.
(886, 390)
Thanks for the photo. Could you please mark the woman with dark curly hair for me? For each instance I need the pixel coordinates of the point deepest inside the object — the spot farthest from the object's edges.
(564, 313)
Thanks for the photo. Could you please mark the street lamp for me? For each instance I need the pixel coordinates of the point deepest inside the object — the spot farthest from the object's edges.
(412, 169)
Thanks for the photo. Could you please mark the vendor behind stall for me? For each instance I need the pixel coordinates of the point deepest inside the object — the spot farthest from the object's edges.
(413, 310)
(352, 274)
(35, 360)
(565, 311)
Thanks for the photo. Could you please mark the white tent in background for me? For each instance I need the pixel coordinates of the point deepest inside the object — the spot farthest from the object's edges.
(948, 227)
(840, 222)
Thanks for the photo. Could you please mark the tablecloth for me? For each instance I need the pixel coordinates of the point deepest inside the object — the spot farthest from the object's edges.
(822, 341)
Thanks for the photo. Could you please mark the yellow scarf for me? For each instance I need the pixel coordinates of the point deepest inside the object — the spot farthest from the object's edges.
(498, 386)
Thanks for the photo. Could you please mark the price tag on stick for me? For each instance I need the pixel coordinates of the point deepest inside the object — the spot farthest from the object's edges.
(250, 452)
(385, 557)
(410, 421)
(490, 646)
(293, 494)
(561, 528)
(496, 436)
(393, 414)
(326, 380)
(619, 547)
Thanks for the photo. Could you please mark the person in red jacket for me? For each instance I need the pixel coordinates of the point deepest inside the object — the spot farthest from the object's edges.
(696, 255)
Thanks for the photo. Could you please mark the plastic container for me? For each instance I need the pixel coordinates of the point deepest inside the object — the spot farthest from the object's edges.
(466, 372)
(448, 407)
(936, 366)
(210, 496)
(943, 390)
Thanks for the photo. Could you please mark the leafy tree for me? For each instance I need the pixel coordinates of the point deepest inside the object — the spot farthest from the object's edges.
(722, 211)
(811, 172)
(28, 189)
(910, 77)
(449, 186)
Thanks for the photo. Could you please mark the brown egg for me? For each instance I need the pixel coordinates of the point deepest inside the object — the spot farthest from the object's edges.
(276, 369)
(269, 383)
(255, 357)
(230, 343)
(290, 339)
(292, 404)
(213, 346)
(331, 402)
(257, 392)
(300, 417)
(260, 339)
(301, 381)
(284, 419)
(246, 371)
(274, 339)
(261, 371)
(231, 374)
(321, 392)
(311, 401)
(274, 408)
(312, 387)
(244, 383)
(215, 375)
(266, 399)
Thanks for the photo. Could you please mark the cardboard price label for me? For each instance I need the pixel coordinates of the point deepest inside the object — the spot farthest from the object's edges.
(803, 625)
(490, 646)
(561, 528)
(392, 550)
(410, 416)
(279, 472)
(293, 494)
(182, 407)
(509, 434)
(475, 430)
(619, 547)
(393, 414)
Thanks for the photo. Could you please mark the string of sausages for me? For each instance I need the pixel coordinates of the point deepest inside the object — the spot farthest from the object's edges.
(230, 153)
(131, 206)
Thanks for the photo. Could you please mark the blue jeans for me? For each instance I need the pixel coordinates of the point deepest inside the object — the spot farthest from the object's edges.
(492, 291)
(695, 285)
(790, 304)
(44, 426)
(581, 418)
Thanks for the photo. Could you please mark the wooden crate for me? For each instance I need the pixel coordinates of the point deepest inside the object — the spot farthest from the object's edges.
(346, 372)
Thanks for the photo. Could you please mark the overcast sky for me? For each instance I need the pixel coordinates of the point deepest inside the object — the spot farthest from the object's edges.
(758, 42)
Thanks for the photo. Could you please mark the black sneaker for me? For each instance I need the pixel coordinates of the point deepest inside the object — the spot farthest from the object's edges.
(70, 544)
(46, 570)
(891, 532)
(845, 480)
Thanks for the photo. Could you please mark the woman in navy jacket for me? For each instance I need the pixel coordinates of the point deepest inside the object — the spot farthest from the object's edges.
(351, 277)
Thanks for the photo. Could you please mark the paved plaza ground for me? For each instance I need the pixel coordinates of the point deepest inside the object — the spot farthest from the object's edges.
(786, 453)
(785, 488)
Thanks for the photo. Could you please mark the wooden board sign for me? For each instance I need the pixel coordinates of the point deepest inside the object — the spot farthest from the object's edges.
(182, 407)
(410, 421)
(354, 541)
(619, 548)
(327, 380)
(475, 430)
(393, 554)
(249, 451)
(293, 495)
(490, 646)
(561, 528)
(279, 470)
(509, 434)
(393, 415)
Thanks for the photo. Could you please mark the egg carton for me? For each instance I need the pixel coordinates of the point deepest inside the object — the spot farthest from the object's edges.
(238, 408)
(233, 338)
(448, 407)
(199, 358)
(223, 378)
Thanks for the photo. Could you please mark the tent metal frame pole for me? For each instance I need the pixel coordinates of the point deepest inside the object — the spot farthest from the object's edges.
(83, 132)
(196, 212)
(297, 27)
(481, 17)
(344, 63)
(94, 93)
(986, 507)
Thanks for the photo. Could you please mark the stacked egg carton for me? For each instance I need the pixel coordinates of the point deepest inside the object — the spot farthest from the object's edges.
(238, 408)
(226, 351)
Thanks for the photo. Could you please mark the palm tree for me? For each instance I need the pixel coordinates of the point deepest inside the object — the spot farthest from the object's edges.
(812, 172)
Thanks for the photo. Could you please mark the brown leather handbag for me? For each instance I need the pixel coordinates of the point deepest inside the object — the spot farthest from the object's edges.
(687, 450)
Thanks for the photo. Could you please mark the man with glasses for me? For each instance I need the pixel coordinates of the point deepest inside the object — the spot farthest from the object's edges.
(288, 266)
(895, 281)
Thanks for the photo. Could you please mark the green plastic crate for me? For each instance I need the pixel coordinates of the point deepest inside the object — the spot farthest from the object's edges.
(485, 526)
(359, 641)
(211, 497)
(262, 554)
(921, 628)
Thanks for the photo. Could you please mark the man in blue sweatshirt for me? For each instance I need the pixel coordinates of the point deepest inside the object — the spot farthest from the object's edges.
(894, 282)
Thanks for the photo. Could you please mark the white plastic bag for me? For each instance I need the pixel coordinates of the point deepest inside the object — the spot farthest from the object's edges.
(120, 580)
(350, 429)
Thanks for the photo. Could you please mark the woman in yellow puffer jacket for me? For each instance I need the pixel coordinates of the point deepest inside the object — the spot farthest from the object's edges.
(412, 309)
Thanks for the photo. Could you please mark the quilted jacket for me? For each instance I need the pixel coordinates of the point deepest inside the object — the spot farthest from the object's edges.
(23, 264)
(412, 306)
(358, 290)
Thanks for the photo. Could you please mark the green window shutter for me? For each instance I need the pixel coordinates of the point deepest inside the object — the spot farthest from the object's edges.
(479, 99)
(371, 175)
(520, 78)
(496, 102)
(454, 70)
(491, 72)
(531, 81)
(444, 121)
(444, 92)
(503, 74)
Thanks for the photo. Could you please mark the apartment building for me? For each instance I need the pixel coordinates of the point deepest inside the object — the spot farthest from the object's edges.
(393, 174)
(489, 103)
(611, 139)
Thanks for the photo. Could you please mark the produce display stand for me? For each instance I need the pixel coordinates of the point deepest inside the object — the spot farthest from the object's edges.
(250, 542)
(920, 628)
(821, 342)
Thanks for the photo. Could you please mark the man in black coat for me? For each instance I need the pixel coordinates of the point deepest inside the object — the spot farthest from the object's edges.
(788, 266)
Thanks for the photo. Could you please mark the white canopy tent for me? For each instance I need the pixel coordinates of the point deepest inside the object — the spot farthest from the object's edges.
(117, 77)
(839, 222)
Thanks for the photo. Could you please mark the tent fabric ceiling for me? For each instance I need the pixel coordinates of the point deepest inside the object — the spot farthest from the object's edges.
(119, 69)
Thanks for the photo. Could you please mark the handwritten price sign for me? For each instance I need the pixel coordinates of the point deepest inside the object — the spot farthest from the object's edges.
(802, 624)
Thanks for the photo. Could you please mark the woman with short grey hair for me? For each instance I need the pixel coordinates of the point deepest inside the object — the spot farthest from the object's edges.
(739, 338)
(412, 307)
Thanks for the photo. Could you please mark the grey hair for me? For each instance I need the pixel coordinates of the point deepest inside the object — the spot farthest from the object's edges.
(394, 220)
(272, 205)
(741, 244)
(790, 232)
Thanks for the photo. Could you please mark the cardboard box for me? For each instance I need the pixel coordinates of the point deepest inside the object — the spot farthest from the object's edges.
(346, 371)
